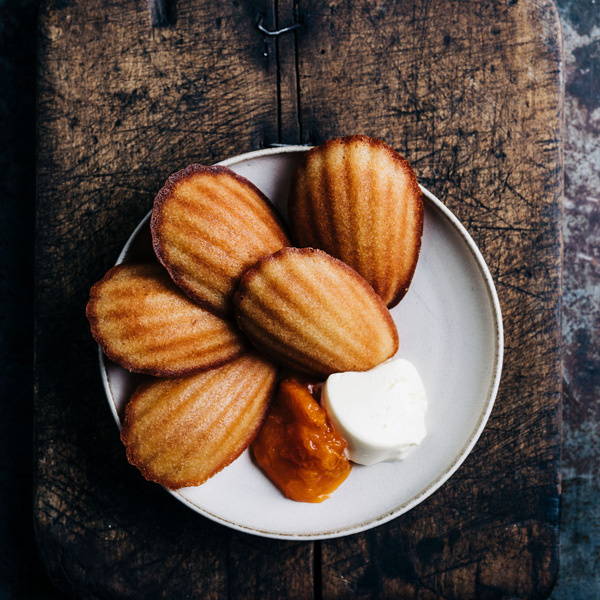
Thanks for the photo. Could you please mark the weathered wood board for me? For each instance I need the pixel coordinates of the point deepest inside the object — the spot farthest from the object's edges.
(471, 94)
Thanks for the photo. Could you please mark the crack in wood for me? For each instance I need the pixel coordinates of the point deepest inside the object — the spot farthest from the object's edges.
(158, 13)
(288, 118)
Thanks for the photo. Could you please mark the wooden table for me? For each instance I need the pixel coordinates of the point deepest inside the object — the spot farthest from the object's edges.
(471, 93)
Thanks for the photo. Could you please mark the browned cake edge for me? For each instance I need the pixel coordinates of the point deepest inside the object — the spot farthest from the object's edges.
(255, 270)
(90, 312)
(396, 157)
(157, 218)
(133, 459)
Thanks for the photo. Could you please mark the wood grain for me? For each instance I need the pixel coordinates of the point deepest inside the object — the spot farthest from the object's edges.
(114, 121)
(441, 97)
(472, 96)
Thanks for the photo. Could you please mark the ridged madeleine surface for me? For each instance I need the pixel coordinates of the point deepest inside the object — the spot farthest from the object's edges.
(180, 432)
(208, 226)
(358, 199)
(144, 322)
(312, 313)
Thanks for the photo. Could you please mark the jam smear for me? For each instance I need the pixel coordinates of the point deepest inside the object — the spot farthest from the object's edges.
(297, 446)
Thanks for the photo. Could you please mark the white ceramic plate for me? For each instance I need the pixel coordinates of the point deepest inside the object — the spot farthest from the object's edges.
(450, 327)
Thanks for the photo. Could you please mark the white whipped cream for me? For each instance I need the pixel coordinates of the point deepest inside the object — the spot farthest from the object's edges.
(380, 413)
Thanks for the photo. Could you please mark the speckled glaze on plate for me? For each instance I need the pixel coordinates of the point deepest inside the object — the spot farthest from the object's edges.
(450, 328)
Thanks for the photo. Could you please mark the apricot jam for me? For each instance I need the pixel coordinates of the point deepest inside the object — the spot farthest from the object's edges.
(298, 448)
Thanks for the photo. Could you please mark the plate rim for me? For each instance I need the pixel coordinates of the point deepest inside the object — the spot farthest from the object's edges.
(461, 456)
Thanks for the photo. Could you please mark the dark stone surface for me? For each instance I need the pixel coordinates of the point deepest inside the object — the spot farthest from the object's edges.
(21, 575)
(579, 575)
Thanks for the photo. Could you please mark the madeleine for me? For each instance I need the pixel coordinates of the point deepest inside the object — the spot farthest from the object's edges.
(180, 432)
(145, 323)
(208, 226)
(312, 313)
(359, 200)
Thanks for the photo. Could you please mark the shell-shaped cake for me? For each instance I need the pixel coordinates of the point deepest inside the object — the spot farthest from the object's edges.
(180, 432)
(208, 226)
(312, 313)
(145, 323)
(359, 200)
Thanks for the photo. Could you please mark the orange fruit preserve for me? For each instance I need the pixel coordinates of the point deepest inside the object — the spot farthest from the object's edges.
(298, 448)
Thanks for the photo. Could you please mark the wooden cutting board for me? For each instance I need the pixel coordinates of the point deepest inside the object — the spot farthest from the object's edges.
(471, 93)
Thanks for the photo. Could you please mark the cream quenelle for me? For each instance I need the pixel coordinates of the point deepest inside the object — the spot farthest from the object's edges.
(380, 413)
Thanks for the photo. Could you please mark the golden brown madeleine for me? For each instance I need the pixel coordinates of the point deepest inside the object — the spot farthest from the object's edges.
(144, 322)
(359, 200)
(312, 313)
(208, 226)
(179, 432)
